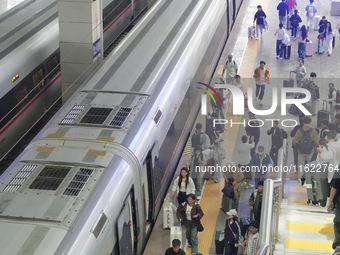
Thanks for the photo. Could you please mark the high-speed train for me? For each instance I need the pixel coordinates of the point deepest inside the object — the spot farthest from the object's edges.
(29, 60)
(93, 180)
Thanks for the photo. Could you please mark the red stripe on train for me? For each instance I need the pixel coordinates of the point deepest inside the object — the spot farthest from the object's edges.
(3, 130)
(117, 18)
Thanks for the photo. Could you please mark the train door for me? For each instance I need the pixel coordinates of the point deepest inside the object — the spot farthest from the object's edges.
(126, 227)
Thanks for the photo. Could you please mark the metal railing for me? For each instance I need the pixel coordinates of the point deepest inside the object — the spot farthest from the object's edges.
(271, 201)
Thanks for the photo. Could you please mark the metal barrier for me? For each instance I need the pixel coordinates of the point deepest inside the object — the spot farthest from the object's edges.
(271, 201)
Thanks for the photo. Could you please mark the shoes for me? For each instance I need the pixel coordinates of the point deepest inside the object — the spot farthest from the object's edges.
(277, 57)
(260, 102)
(280, 58)
(337, 251)
(256, 38)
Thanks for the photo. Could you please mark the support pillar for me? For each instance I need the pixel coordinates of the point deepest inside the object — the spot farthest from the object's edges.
(81, 33)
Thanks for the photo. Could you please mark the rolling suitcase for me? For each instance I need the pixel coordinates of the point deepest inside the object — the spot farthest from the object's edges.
(168, 215)
(175, 233)
(286, 49)
(317, 183)
(322, 114)
(319, 46)
(289, 83)
(316, 21)
(227, 204)
(251, 32)
(309, 49)
(219, 242)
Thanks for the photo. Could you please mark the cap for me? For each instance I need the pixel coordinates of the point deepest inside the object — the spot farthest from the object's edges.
(332, 134)
(232, 212)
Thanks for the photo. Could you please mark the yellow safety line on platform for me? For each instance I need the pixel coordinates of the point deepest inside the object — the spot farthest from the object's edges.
(292, 243)
(187, 148)
(297, 190)
(310, 227)
(300, 200)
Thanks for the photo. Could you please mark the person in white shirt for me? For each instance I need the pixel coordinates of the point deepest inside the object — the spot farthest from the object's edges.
(251, 239)
(244, 158)
(183, 185)
(280, 32)
(230, 70)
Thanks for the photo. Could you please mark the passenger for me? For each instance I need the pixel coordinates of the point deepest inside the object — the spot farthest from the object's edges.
(294, 146)
(190, 213)
(183, 185)
(283, 12)
(228, 195)
(257, 163)
(313, 88)
(261, 75)
(323, 128)
(337, 109)
(302, 39)
(292, 6)
(300, 72)
(259, 17)
(199, 138)
(329, 38)
(310, 14)
(277, 141)
(175, 249)
(295, 21)
(230, 70)
(332, 202)
(251, 239)
(337, 122)
(323, 22)
(244, 158)
(238, 178)
(255, 202)
(243, 89)
(232, 233)
(219, 153)
(197, 166)
(253, 131)
(280, 32)
(306, 139)
(331, 100)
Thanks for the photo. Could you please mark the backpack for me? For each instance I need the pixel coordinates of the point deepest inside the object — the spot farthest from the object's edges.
(337, 100)
(228, 190)
(195, 140)
(306, 142)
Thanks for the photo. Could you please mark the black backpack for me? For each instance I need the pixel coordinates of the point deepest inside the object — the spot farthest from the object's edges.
(337, 100)
(306, 142)
(195, 140)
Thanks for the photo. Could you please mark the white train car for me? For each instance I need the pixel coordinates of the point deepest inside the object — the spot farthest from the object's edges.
(29, 60)
(93, 180)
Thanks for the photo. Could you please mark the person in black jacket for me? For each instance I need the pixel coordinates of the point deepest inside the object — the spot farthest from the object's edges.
(277, 140)
(295, 20)
(232, 233)
(253, 130)
(260, 17)
(175, 249)
(292, 134)
(283, 12)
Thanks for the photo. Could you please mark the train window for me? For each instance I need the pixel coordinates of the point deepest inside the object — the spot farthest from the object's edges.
(53, 65)
(37, 78)
(113, 10)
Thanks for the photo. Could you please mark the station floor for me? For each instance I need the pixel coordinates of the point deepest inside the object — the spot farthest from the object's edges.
(303, 228)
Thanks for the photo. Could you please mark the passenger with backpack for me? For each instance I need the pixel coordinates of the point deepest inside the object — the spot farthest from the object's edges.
(199, 138)
(306, 139)
(310, 14)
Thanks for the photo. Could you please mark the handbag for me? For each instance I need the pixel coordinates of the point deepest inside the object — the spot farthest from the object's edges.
(199, 226)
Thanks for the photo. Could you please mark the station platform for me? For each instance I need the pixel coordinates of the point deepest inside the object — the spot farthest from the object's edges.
(303, 228)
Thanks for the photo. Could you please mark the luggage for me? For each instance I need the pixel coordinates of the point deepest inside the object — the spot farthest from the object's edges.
(322, 114)
(289, 83)
(286, 49)
(176, 233)
(219, 242)
(309, 49)
(317, 183)
(293, 110)
(316, 21)
(168, 215)
(244, 225)
(319, 46)
(227, 203)
(251, 32)
(288, 27)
